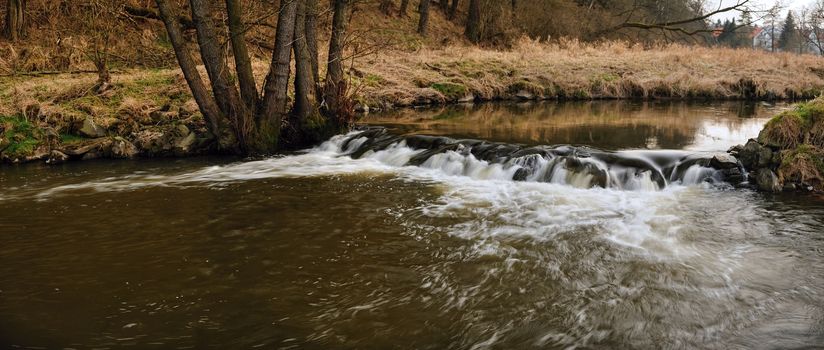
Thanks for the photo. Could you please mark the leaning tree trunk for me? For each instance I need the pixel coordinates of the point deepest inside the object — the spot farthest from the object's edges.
(473, 22)
(423, 23)
(15, 20)
(207, 105)
(214, 59)
(243, 63)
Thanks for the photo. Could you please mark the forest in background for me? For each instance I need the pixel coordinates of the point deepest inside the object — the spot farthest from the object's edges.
(44, 35)
(252, 76)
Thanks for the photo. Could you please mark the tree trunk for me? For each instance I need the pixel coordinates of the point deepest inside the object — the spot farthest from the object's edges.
(243, 63)
(453, 9)
(386, 7)
(423, 24)
(312, 39)
(207, 105)
(214, 59)
(305, 100)
(307, 125)
(335, 88)
(403, 9)
(473, 22)
(273, 107)
(15, 20)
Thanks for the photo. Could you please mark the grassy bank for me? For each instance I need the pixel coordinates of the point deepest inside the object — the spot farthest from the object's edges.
(154, 110)
(572, 70)
(789, 152)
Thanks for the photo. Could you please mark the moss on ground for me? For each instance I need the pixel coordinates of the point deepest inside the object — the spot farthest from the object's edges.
(452, 91)
(18, 137)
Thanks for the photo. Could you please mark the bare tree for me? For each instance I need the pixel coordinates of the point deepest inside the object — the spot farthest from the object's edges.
(402, 11)
(812, 26)
(386, 7)
(423, 23)
(473, 22)
(241, 118)
(335, 90)
(453, 9)
(15, 20)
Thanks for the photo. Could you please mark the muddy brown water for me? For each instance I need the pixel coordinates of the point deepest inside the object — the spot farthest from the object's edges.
(319, 251)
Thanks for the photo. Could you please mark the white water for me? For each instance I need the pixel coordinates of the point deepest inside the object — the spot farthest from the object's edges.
(637, 214)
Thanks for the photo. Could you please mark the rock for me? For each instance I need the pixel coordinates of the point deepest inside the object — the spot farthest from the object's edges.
(40, 153)
(159, 141)
(525, 95)
(735, 151)
(748, 154)
(767, 158)
(733, 176)
(767, 181)
(160, 117)
(362, 108)
(183, 145)
(723, 161)
(122, 148)
(151, 142)
(57, 157)
(97, 147)
(90, 129)
(467, 99)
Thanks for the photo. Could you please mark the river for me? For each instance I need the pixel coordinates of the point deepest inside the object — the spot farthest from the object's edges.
(317, 250)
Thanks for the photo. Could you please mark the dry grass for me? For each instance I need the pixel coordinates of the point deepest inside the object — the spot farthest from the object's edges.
(785, 131)
(574, 70)
(804, 165)
(567, 69)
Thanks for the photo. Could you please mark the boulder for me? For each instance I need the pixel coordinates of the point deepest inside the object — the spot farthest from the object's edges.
(90, 129)
(164, 141)
(122, 148)
(184, 144)
(767, 181)
(748, 154)
(723, 161)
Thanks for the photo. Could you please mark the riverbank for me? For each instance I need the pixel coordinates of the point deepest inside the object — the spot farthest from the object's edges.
(788, 154)
(150, 113)
(579, 71)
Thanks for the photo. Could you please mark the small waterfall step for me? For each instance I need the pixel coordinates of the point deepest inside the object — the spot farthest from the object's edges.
(582, 167)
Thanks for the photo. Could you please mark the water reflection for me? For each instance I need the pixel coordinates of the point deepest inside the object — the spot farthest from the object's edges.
(608, 125)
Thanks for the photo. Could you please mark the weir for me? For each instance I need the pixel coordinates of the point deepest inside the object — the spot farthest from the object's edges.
(577, 166)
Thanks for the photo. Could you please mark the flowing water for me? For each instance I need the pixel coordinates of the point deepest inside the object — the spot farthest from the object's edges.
(570, 227)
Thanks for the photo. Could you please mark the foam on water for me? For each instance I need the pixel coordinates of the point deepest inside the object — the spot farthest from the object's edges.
(636, 214)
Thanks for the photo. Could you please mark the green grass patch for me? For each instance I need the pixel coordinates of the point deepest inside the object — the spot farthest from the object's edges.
(451, 91)
(69, 138)
(19, 137)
